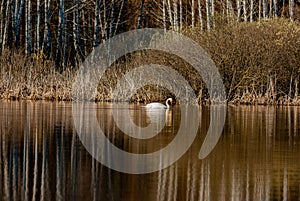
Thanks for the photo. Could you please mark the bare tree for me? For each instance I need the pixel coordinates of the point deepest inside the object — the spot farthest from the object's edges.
(28, 27)
(275, 8)
(17, 10)
(164, 14)
(180, 15)
(47, 35)
(97, 23)
(193, 13)
(1, 22)
(245, 10)
(212, 5)
(291, 9)
(6, 26)
(60, 41)
(200, 15)
(265, 8)
(38, 25)
(175, 15)
(251, 10)
(208, 14)
(239, 10)
(140, 14)
(112, 19)
(170, 12)
(259, 10)
(119, 16)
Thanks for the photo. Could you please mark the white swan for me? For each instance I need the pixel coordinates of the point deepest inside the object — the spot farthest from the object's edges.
(169, 102)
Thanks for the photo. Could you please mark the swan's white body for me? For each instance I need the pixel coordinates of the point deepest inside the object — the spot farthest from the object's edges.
(159, 105)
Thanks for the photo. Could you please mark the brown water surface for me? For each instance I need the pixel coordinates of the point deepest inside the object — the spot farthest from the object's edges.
(42, 157)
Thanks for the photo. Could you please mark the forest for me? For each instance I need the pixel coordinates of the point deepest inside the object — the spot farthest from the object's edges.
(254, 43)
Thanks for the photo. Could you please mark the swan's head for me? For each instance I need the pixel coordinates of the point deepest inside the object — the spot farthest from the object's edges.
(170, 102)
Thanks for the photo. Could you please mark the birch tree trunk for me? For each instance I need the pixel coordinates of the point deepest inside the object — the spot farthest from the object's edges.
(28, 28)
(259, 10)
(175, 15)
(97, 23)
(228, 11)
(180, 16)
(275, 8)
(59, 47)
(270, 8)
(65, 35)
(38, 25)
(251, 10)
(170, 13)
(265, 8)
(212, 19)
(208, 14)
(76, 31)
(47, 35)
(104, 33)
(200, 15)
(112, 19)
(291, 9)
(140, 14)
(1, 22)
(193, 13)
(164, 14)
(119, 17)
(6, 25)
(238, 4)
(17, 10)
(245, 10)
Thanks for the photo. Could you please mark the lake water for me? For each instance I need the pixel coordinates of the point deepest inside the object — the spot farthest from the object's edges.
(43, 158)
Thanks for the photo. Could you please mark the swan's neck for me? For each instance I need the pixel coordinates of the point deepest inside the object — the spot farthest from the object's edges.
(167, 104)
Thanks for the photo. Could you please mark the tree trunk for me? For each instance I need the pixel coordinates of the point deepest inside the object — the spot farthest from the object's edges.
(38, 25)
(17, 12)
(200, 15)
(238, 4)
(245, 10)
(212, 7)
(251, 10)
(47, 33)
(291, 9)
(112, 19)
(119, 17)
(1, 22)
(6, 26)
(170, 13)
(259, 10)
(164, 14)
(141, 14)
(59, 48)
(180, 15)
(275, 8)
(175, 15)
(208, 14)
(265, 8)
(28, 28)
(97, 23)
(193, 13)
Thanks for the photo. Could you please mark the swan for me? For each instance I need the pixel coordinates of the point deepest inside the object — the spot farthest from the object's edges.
(169, 102)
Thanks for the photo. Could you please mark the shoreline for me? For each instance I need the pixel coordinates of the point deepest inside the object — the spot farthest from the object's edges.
(262, 101)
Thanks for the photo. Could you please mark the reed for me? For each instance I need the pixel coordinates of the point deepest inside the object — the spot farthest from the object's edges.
(259, 63)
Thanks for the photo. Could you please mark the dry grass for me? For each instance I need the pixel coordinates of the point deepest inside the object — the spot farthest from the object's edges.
(33, 78)
(259, 64)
